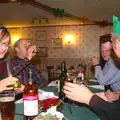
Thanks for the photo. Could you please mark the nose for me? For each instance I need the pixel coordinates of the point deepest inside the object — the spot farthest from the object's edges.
(4, 47)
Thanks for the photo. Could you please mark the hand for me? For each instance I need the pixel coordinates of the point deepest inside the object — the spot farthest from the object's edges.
(102, 96)
(112, 96)
(116, 47)
(78, 93)
(20, 90)
(95, 61)
(7, 81)
(31, 52)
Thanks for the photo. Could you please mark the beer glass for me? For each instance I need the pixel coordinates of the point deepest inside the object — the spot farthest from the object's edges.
(7, 105)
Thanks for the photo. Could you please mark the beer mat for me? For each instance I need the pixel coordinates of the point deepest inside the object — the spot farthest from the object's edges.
(51, 114)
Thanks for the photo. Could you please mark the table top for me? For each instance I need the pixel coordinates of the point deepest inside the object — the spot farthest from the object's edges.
(81, 112)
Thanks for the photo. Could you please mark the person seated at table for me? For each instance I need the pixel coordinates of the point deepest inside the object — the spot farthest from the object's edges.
(101, 105)
(105, 51)
(110, 74)
(20, 64)
(4, 48)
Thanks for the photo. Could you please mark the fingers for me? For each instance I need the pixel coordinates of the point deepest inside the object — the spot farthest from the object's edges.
(13, 79)
(69, 84)
(32, 48)
(70, 97)
(9, 88)
(68, 94)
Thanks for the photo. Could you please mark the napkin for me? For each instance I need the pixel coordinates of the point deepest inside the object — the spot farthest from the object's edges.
(44, 95)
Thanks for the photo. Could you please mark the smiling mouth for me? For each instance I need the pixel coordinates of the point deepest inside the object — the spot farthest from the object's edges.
(2, 52)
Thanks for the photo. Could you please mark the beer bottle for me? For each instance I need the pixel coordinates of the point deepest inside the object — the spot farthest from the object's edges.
(30, 99)
(62, 78)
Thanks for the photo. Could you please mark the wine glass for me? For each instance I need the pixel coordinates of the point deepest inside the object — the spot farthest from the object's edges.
(72, 77)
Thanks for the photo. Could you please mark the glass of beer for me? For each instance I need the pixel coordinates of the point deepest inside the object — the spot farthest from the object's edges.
(7, 105)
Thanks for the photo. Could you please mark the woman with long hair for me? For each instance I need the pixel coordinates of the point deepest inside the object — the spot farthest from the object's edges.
(5, 80)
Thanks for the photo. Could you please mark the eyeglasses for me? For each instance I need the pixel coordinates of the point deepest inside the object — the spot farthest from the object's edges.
(5, 44)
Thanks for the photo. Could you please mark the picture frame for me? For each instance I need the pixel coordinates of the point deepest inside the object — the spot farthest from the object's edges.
(40, 35)
(41, 52)
(57, 43)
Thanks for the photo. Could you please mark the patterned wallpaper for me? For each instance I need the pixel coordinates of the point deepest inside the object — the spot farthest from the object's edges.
(85, 44)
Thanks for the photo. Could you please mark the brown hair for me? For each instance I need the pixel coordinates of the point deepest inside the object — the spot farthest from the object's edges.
(3, 33)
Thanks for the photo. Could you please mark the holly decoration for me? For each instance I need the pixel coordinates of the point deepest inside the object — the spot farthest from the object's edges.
(58, 11)
(84, 20)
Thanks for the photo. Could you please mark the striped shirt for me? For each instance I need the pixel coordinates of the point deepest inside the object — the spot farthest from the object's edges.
(110, 75)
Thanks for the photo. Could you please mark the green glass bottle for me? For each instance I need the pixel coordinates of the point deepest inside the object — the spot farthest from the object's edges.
(62, 78)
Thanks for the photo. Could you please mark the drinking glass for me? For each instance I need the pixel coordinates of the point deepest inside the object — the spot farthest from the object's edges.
(72, 77)
(7, 105)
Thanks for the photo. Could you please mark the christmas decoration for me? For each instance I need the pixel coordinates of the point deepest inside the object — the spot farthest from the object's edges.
(116, 28)
(58, 11)
(61, 13)
(116, 25)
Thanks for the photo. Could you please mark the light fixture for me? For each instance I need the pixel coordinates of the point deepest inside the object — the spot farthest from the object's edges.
(69, 38)
(14, 39)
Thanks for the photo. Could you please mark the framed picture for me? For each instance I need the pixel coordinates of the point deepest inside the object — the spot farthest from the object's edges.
(57, 43)
(41, 35)
(42, 51)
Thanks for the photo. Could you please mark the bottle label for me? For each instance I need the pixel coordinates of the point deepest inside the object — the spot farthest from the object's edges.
(30, 105)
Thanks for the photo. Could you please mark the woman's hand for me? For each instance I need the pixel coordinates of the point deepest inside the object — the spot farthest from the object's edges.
(6, 82)
(20, 90)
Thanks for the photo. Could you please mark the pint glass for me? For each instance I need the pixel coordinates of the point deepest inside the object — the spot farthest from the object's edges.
(7, 105)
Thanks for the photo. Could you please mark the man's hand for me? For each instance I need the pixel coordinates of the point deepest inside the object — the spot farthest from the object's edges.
(31, 52)
(77, 92)
(102, 96)
(95, 61)
(112, 96)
